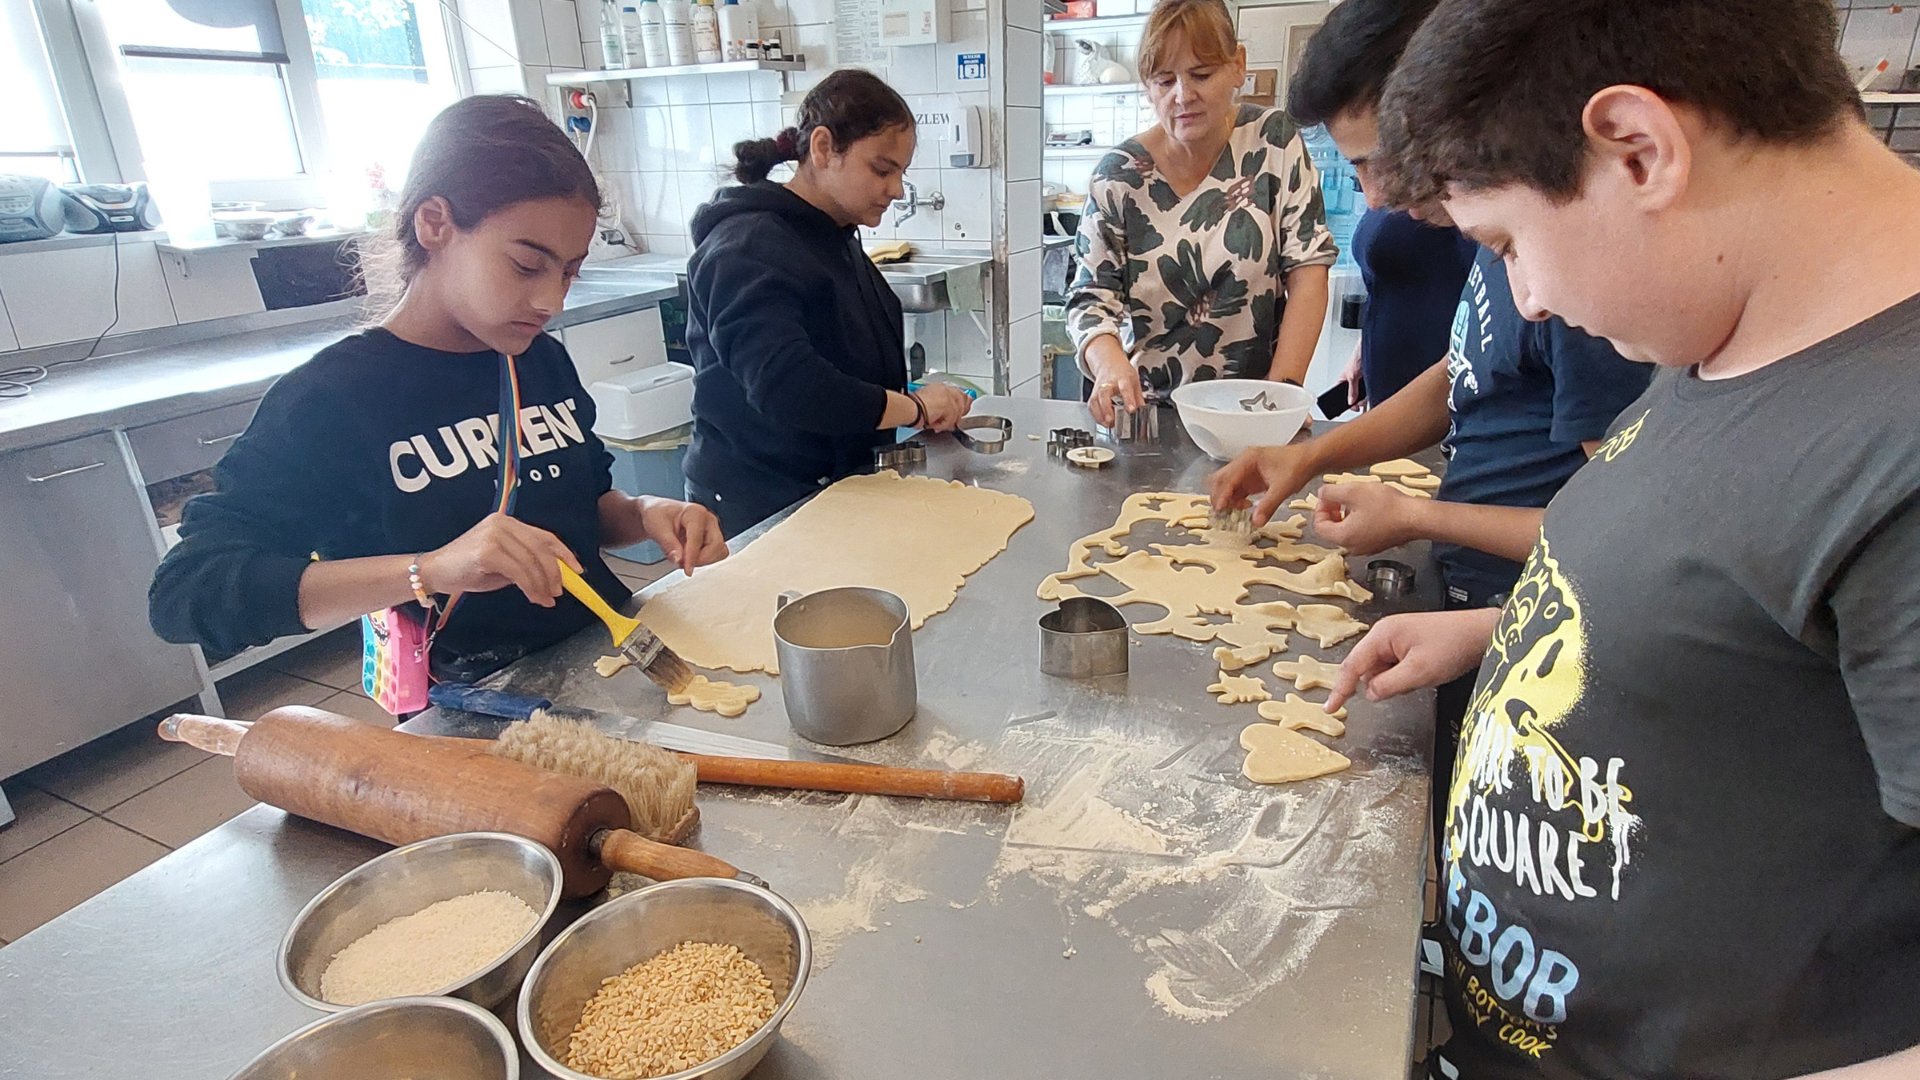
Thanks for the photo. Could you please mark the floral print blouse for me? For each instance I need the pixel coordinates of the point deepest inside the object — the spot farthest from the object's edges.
(1194, 287)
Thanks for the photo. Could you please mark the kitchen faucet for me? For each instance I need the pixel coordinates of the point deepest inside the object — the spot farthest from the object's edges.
(907, 207)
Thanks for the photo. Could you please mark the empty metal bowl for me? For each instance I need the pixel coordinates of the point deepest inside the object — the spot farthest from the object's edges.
(422, 1038)
(408, 879)
(640, 926)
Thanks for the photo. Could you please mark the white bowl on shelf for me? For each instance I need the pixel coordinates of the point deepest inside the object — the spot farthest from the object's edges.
(1222, 427)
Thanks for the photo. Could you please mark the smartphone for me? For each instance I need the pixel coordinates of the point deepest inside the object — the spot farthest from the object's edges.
(1336, 400)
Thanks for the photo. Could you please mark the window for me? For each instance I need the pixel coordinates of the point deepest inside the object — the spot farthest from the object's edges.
(383, 69)
(33, 133)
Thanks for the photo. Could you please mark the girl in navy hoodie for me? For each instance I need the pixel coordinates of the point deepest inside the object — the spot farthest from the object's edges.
(797, 341)
(371, 476)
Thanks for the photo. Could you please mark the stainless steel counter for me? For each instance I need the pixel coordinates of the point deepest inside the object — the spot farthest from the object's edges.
(149, 385)
(1146, 913)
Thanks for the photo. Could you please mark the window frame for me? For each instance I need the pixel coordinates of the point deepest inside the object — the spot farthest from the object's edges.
(88, 83)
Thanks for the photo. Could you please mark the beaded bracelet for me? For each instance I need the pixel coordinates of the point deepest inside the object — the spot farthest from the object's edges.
(413, 578)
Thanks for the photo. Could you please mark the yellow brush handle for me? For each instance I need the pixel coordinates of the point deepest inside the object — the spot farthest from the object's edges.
(619, 625)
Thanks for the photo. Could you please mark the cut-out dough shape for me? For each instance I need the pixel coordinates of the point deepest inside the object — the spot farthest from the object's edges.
(1276, 755)
(1297, 712)
(1328, 577)
(1326, 624)
(609, 666)
(1405, 490)
(1425, 482)
(1307, 673)
(1286, 551)
(709, 695)
(1240, 689)
(915, 536)
(1308, 502)
(1351, 478)
(1399, 467)
(1232, 659)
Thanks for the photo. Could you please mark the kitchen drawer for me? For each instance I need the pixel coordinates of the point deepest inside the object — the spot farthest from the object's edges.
(617, 345)
(189, 444)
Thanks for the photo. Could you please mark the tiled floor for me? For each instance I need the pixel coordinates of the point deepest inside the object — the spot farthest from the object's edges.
(89, 818)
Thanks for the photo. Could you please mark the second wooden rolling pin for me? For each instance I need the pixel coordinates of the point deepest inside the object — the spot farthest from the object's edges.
(401, 788)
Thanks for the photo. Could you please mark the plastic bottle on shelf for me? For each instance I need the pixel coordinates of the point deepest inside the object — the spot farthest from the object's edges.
(706, 33)
(739, 24)
(653, 33)
(630, 37)
(612, 43)
(679, 14)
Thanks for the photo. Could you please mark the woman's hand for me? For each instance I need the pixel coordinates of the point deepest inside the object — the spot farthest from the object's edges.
(946, 405)
(1273, 473)
(1113, 376)
(1356, 396)
(687, 532)
(1366, 518)
(496, 553)
(1403, 653)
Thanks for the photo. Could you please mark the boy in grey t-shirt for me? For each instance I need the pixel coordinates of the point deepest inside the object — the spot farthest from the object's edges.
(1683, 834)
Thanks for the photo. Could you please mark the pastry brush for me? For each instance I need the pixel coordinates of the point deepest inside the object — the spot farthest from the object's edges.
(638, 645)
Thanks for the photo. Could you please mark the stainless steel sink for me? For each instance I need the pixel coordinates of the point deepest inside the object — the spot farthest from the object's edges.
(922, 282)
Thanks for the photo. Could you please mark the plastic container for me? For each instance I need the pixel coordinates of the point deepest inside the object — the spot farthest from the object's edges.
(706, 33)
(613, 48)
(632, 38)
(679, 18)
(739, 24)
(653, 33)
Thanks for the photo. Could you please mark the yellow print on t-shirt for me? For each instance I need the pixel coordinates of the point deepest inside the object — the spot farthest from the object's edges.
(1619, 441)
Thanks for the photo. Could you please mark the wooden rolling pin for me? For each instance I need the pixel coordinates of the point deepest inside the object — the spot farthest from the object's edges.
(858, 779)
(401, 788)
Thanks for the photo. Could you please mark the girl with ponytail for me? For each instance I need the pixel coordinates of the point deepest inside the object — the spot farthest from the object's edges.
(797, 341)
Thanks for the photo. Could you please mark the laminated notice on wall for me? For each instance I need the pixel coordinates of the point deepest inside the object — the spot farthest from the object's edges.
(856, 32)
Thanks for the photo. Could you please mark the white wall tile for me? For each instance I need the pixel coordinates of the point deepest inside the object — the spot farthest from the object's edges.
(731, 124)
(563, 40)
(653, 139)
(614, 148)
(927, 225)
(692, 137)
(1023, 143)
(487, 28)
(686, 90)
(730, 86)
(765, 85)
(1877, 33)
(56, 296)
(766, 119)
(212, 285)
(1024, 14)
(1023, 283)
(1023, 350)
(626, 195)
(1023, 67)
(1023, 215)
(649, 92)
(530, 31)
(915, 69)
(696, 189)
(966, 33)
(669, 244)
(969, 211)
(815, 42)
(586, 21)
(498, 79)
(773, 14)
(659, 207)
(1264, 29)
(805, 12)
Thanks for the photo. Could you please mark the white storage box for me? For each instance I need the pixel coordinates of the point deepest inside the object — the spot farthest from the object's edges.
(644, 402)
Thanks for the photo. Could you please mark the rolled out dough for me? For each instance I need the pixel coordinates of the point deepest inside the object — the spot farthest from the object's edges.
(914, 536)
(709, 695)
(1277, 755)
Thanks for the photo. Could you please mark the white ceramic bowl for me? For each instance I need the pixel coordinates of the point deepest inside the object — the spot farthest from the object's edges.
(1215, 420)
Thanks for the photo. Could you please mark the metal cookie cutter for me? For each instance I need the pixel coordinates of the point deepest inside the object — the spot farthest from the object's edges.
(1130, 426)
(1061, 440)
(984, 434)
(1389, 579)
(900, 455)
(1086, 638)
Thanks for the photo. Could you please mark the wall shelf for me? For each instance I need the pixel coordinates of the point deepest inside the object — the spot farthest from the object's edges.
(1881, 98)
(588, 78)
(1104, 88)
(1098, 22)
(1070, 152)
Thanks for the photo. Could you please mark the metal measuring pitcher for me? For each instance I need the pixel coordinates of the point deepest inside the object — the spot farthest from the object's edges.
(846, 664)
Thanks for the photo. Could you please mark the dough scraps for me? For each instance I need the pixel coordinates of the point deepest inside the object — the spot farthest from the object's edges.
(1308, 502)
(914, 536)
(1350, 478)
(1240, 689)
(1297, 712)
(609, 666)
(1328, 577)
(1307, 673)
(709, 695)
(1399, 467)
(1425, 482)
(1326, 624)
(1277, 755)
(1405, 490)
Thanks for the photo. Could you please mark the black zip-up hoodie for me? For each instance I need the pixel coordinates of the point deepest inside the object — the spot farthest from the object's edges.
(795, 339)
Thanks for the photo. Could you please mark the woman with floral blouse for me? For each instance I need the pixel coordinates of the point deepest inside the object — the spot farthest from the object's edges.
(1204, 246)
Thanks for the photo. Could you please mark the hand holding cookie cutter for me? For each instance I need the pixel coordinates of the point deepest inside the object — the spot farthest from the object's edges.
(984, 434)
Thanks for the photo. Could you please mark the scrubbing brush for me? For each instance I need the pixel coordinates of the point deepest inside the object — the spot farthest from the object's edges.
(657, 784)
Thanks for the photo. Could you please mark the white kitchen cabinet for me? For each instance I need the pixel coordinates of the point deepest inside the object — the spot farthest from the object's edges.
(68, 294)
(616, 345)
(77, 657)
